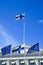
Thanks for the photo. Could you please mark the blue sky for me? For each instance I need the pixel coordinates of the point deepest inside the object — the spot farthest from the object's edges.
(11, 30)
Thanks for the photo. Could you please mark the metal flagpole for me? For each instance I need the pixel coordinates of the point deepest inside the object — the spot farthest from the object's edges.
(18, 17)
(24, 35)
(39, 53)
(21, 16)
(24, 32)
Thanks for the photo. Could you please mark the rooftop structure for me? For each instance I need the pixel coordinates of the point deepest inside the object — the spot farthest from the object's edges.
(22, 58)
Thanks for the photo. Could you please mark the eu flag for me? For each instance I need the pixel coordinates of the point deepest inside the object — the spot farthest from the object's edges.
(34, 48)
(6, 50)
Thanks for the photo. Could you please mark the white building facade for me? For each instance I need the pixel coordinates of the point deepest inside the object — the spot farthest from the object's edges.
(22, 58)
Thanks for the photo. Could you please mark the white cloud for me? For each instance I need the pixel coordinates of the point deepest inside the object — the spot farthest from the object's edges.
(5, 38)
(40, 21)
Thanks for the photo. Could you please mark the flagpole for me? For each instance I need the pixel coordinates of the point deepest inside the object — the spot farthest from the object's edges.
(24, 35)
(18, 17)
(24, 32)
(39, 53)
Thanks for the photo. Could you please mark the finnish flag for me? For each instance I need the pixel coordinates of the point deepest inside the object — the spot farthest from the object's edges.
(21, 49)
(20, 16)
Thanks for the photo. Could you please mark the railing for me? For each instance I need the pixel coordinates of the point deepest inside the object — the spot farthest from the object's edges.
(22, 56)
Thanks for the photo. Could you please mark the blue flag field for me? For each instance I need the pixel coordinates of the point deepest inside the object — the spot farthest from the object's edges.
(6, 50)
(34, 48)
